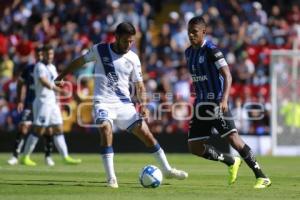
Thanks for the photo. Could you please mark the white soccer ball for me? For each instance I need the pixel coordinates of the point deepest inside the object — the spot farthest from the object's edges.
(150, 176)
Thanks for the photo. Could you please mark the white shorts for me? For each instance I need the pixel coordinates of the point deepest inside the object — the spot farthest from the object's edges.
(46, 114)
(123, 115)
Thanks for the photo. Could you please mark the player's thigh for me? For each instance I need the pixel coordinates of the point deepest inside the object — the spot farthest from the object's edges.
(26, 118)
(200, 124)
(104, 113)
(127, 117)
(56, 120)
(224, 123)
(26, 121)
(41, 114)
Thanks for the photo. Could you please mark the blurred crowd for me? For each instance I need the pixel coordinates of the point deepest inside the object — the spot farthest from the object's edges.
(246, 32)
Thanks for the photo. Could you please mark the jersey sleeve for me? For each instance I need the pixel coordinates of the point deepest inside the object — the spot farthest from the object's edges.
(137, 75)
(217, 57)
(90, 55)
(41, 71)
(187, 53)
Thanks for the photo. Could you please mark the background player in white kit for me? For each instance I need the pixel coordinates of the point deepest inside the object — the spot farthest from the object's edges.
(115, 65)
(25, 97)
(46, 111)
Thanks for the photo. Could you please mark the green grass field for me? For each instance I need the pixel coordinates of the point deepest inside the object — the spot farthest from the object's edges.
(207, 179)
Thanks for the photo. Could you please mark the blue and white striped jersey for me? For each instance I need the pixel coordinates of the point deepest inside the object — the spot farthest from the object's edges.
(113, 73)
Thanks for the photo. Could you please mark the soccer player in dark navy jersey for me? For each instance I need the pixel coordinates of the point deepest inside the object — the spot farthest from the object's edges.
(26, 96)
(212, 82)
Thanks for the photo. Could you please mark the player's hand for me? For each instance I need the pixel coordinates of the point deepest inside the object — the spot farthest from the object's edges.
(59, 82)
(144, 111)
(20, 107)
(224, 105)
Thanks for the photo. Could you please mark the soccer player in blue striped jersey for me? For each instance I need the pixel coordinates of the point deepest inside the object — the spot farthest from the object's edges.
(26, 95)
(212, 82)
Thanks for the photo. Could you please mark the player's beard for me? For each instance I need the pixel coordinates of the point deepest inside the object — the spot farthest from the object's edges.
(120, 49)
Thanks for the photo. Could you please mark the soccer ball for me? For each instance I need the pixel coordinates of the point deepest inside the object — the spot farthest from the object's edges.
(150, 176)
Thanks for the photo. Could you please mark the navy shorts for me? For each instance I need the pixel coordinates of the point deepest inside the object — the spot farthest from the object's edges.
(205, 118)
(26, 116)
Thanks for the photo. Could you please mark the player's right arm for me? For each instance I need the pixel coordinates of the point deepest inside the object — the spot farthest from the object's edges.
(76, 64)
(41, 74)
(44, 81)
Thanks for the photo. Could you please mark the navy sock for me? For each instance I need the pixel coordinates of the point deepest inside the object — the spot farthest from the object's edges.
(250, 159)
(48, 145)
(18, 144)
(211, 153)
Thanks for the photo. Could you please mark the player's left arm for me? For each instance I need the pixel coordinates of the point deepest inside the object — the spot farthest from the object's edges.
(225, 72)
(221, 64)
(142, 98)
(137, 78)
(73, 66)
(76, 64)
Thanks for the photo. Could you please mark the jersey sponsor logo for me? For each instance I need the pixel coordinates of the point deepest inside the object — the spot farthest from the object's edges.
(201, 59)
(107, 61)
(199, 78)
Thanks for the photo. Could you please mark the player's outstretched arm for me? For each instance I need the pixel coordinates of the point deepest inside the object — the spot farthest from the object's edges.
(73, 66)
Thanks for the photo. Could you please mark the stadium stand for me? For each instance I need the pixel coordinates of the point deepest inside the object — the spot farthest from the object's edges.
(245, 31)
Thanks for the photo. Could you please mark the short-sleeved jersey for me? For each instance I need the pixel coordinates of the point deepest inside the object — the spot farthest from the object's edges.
(42, 93)
(27, 78)
(113, 73)
(204, 64)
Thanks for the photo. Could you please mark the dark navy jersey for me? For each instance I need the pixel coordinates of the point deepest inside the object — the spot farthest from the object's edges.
(204, 64)
(27, 77)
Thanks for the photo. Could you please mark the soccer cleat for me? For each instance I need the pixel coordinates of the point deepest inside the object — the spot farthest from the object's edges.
(262, 183)
(113, 183)
(71, 161)
(177, 174)
(27, 161)
(233, 170)
(49, 161)
(13, 161)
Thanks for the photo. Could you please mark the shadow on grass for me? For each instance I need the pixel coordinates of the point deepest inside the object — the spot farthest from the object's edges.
(68, 183)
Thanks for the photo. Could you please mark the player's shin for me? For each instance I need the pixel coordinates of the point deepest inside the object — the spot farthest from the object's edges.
(160, 157)
(19, 142)
(48, 145)
(250, 159)
(30, 144)
(211, 153)
(60, 143)
(107, 155)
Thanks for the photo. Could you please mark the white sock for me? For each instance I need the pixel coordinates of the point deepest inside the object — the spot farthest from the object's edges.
(108, 162)
(30, 144)
(60, 143)
(161, 158)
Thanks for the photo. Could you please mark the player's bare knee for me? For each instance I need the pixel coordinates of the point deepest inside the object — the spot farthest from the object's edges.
(105, 127)
(235, 140)
(196, 149)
